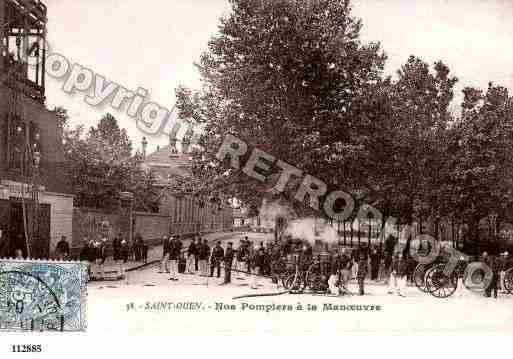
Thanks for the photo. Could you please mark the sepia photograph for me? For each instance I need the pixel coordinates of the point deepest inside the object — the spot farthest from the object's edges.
(200, 168)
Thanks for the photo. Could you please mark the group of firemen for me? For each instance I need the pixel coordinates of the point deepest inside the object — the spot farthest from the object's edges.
(95, 249)
(199, 258)
(498, 266)
(336, 265)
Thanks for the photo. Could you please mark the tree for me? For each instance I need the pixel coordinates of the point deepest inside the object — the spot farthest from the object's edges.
(403, 131)
(101, 166)
(481, 171)
(111, 141)
(282, 76)
(62, 116)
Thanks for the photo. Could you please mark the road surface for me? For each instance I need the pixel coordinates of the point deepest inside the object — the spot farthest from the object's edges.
(147, 301)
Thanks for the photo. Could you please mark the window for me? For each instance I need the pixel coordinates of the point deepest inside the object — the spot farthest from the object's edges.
(15, 143)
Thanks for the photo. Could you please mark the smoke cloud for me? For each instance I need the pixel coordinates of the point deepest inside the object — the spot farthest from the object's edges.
(270, 211)
(311, 230)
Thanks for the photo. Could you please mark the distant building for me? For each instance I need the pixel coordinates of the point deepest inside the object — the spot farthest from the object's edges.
(241, 217)
(36, 206)
(188, 213)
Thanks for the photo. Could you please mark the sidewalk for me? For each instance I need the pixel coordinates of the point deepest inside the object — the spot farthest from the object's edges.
(115, 270)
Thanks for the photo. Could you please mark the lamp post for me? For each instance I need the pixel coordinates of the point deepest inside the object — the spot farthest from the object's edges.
(128, 196)
(493, 224)
(36, 156)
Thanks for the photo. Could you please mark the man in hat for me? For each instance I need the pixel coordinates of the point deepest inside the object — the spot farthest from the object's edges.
(164, 265)
(495, 265)
(362, 273)
(239, 259)
(228, 260)
(485, 258)
(192, 253)
(204, 254)
(216, 258)
(198, 250)
(256, 264)
(398, 276)
(4, 245)
(174, 256)
(116, 247)
(504, 268)
(62, 249)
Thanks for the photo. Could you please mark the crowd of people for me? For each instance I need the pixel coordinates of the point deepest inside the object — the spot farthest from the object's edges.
(197, 258)
(95, 250)
(16, 247)
(335, 264)
(272, 258)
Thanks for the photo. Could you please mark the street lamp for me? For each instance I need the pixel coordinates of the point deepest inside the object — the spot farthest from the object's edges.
(37, 159)
(129, 196)
(493, 224)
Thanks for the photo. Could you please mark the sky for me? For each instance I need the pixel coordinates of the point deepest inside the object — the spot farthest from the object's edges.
(154, 44)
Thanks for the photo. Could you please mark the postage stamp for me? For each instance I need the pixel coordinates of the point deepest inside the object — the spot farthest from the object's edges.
(42, 295)
(255, 168)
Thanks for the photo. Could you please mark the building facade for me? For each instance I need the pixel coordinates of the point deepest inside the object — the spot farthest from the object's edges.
(36, 205)
(187, 214)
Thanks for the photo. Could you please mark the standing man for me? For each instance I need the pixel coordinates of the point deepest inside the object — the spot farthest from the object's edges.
(125, 250)
(174, 256)
(198, 250)
(62, 249)
(239, 259)
(139, 245)
(374, 262)
(504, 267)
(116, 247)
(4, 245)
(84, 253)
(248, 256)
(228, 261)
(216, 259)
(204, 255)
(345, 268)
(100, 254)
(486, 260)
(164, 265)
(362, 273)
(495, 266)
(259, 259)
(325, 259)
(192, 254)
(399, 272)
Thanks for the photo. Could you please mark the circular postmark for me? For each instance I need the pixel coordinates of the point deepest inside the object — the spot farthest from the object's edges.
(28, 302)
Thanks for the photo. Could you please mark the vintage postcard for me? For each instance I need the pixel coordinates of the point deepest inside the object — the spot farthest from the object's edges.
(184, 169)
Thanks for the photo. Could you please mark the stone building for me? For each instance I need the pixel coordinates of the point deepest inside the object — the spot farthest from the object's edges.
(36, 206)
(186, 213)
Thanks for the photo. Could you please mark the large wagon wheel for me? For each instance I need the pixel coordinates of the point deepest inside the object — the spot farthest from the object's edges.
(508, 281)
(293, 282)
(419, 277)
(279, 271)
(439, 284)
(315, 280)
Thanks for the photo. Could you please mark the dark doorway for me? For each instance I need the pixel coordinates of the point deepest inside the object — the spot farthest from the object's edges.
(11, 216)
(16, 229)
